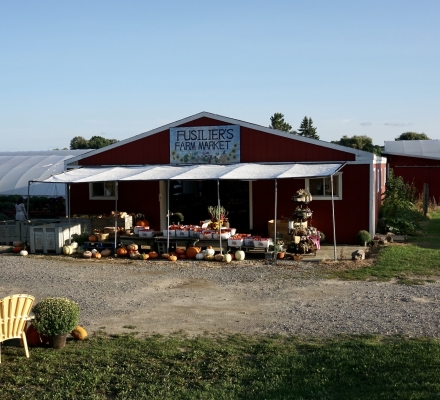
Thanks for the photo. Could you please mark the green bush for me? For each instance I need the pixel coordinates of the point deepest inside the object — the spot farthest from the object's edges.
(363, 237)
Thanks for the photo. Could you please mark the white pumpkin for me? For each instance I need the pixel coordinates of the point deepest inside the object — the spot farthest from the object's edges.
(67, 250)
(23, 253)
(74, 245)
(200, 256)
(209, 251)
(227, 258)
(94, 251)
(239, 255)
(87, 254)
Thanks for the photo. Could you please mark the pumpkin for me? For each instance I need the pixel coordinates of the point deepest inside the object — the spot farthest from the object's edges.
(134, 255)
(132, 246)
(182, 256)
(144, 256)
(239, 255)
(153, 254)
(218, 257)
(32, 336)
(142, 222)
(191, 252)
(209, 257)
(87, 254)
(94, 251)
(106, 252)
(180, 251)
(227, 258)
(210, 251)
(67, 250)
(200, 256)
(93, 238)
(79, 333)
(172, 258)
(166, 256)
(121, 251)
(17, 243)
(17, 249)
(96, 255)
(24, 253)
(80, 249)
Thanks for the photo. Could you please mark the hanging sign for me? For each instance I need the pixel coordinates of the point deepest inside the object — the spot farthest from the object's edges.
(205, 144)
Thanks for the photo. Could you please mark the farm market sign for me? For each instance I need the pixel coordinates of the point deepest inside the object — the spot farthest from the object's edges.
(205, 144)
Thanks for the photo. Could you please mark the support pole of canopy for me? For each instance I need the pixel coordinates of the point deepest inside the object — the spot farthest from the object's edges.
(168, 216)
(219, 222)
(27, 214)
(275, 222)
(68, 211)
(333, 216)
(116, 212)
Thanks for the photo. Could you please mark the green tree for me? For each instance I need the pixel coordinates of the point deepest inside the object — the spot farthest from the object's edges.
(78, 142)
(277, 122)
(307, 129)
(363, 142)
(97, 142)
(413, 136)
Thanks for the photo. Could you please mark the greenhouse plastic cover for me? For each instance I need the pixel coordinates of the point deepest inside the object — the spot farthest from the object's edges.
(196, 172)
(414, 148)
(18, 168)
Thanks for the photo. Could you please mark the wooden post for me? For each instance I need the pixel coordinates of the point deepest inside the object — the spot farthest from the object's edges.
(425, 198)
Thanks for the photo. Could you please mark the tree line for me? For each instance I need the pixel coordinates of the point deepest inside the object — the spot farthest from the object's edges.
(362, 142)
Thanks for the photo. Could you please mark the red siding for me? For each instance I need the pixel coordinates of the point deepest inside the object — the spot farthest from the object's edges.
(134, 197)
(418, 171)
(351, 213)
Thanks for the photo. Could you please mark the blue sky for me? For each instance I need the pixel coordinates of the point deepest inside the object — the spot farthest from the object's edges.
(120, 68)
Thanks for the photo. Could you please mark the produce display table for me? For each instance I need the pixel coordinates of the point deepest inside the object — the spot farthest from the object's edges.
(161, 242)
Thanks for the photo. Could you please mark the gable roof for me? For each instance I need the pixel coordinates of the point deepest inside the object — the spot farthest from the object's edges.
(414, 148)
(360, 154)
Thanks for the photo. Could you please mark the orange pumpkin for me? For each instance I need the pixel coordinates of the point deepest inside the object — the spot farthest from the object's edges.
(153, 254)
(93, 238)
(180, 251)
(32, 336)
(142, 222)
(121, 251)
(17, 249)
(165, 255)
(96, 255)
(172, 258)
(192, 251)
(182, 256)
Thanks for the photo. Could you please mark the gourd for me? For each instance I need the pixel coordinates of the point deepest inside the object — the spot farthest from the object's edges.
(93, 238)
(87, 254)
(144, 256)
(67, 250)
(209, 257)
(106, 252)
(79, 333)
(227, 258)
(191, 252)
(153, 254)
(239, 255)
(142, 222)
(17, 249)
(218, 257)
(24, 253)
(32, 336)
(200, 256)
(132, 246)
(80, 249)
(134, 255)
(172, 258)
(180, 251)
(96, 255)
(182, 256)
(210, 251)
(121, 251)
(94, 251)
(166, 256)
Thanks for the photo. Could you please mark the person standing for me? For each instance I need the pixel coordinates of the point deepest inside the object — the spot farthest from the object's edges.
(20, 210)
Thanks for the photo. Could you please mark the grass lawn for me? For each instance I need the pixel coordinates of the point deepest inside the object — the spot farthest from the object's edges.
(411, 263)
(237, 367)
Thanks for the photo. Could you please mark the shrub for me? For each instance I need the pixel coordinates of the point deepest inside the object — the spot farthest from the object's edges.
(363, 237)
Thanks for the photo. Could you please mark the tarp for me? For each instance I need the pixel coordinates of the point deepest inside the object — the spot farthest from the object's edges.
(242, 171)
(414, 148)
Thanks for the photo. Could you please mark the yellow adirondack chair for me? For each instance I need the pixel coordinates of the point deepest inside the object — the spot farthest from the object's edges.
(14, 314)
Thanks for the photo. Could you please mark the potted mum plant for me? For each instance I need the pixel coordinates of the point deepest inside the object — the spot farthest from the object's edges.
(56, 317)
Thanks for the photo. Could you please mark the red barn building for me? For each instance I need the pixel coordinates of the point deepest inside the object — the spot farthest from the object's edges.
(210, 138)
(417, 162)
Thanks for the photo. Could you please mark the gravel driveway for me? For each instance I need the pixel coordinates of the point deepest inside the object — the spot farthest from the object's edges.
(251, 297)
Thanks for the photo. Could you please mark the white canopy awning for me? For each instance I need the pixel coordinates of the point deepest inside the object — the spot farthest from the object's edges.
(196, 172)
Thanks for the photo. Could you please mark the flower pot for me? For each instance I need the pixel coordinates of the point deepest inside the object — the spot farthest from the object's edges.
(280, 255)
(58, 341)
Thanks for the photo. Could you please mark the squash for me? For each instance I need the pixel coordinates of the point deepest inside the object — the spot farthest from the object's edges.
(134, 255)
(96, 255)
(208, 257)
(227, 258)
(144, 256)
(67, 250)
(121, 251)
(106, 252)
(210, 251)
(180, 251)
(94, 251)
(79, 333)
(93, 238)
(153, 254)
(218, 257)
(142, 222)
(239, 255)
(17, 249)
(200, 256)
(166, 256)
(182, 256)
(87, 254)
(32, 336)
(172, 258)
(192, 251)
(132, 246)
(80, 249)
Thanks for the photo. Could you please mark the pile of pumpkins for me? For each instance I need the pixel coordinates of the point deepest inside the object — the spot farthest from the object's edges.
(19, 248)
(207, 255)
